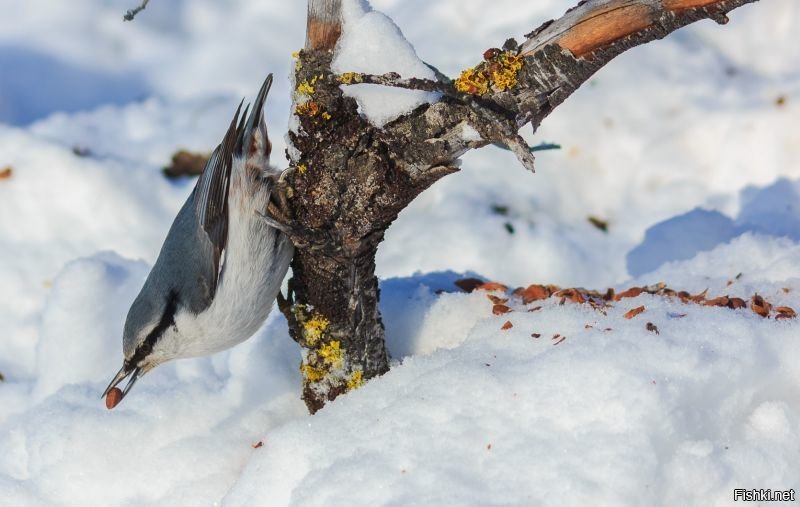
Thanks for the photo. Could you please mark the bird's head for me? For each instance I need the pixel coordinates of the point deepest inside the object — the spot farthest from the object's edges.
(149, 320)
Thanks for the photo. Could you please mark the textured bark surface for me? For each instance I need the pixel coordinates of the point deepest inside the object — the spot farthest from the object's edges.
(324, 24)
(349, 180)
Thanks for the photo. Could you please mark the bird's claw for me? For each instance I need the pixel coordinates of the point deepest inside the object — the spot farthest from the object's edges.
(300, 236)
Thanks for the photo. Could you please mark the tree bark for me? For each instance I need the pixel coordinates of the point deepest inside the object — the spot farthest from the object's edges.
(349, 180)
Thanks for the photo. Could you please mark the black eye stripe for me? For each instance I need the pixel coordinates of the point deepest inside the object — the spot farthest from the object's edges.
(167, 321)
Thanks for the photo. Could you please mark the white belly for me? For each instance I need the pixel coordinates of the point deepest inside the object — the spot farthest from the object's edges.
(255, 262)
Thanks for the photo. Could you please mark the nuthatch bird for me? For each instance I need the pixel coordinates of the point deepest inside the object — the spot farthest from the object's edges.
(221, 265)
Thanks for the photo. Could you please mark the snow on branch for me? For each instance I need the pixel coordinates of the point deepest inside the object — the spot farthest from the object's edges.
(131, 13)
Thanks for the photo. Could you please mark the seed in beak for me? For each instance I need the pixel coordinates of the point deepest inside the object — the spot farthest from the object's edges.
(113, 397)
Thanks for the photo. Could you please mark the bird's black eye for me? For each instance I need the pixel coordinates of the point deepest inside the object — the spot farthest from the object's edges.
(167, 321)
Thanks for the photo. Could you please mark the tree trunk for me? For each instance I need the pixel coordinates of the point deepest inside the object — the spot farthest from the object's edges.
(341, 194)
(334, 317)
(348, 180)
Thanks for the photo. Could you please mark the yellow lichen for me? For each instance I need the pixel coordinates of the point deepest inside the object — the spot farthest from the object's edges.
(472, 81)
(308, 108)
(311, 374)
(356, 380)
(301, 168)
(326, 115)
(332, 354)
(296, 55)
(315, 326)
(498, 72)
(305, 88)
(350, 78)
(504, 74)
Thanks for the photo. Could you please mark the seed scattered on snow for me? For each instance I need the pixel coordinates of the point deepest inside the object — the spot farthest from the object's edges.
(759, 306)
(490, 286)
(500, 309)
(634, 312)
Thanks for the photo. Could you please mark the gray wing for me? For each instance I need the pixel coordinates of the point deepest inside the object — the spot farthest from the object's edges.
(210, 198)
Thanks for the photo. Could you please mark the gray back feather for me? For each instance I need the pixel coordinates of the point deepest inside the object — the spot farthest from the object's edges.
(187, 271)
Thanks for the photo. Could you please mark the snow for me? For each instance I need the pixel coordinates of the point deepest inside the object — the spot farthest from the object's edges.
(470, 134)
(620, 417)
(373, 44)
(695, 165)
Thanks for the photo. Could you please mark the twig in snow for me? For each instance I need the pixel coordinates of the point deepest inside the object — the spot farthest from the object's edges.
(133, 12)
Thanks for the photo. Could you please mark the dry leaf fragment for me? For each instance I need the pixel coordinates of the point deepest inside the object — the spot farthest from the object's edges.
(508, 325)
(185, 163)
(81, 151)
(736, 303)
(785, 312)
(652, 328)
(720, 301)
(630, 293)
(786, 290)
(598, 222)
(759, 305)
(697, 298)
(559, 339)
(573, 295)
(496, 300)
(113, 397)
(500, 309)
(258, 444)
(536, 335)
(468, 284)
(5, 173)
(634, 312)
(535, 309)
(490, 286)
(655, 288)
(533, 293)
(588, 326)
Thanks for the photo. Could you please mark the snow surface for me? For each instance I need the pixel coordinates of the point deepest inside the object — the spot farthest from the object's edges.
(694, 164)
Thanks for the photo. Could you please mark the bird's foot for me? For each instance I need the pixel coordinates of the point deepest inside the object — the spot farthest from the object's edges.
(300, 236)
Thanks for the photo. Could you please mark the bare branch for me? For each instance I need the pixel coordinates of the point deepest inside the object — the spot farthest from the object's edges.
(324, 24)
(133, 12)
(524, 84)
(393, 79)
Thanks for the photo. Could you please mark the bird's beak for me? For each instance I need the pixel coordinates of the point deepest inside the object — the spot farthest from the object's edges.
(123, 373)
